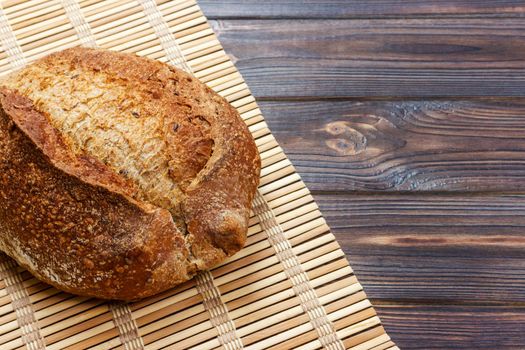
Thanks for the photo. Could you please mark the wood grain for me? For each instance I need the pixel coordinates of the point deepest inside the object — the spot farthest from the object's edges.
(407, 146)
(440, 248)
(357, 9)
(454, 327)
(409, 58)
(419, 186)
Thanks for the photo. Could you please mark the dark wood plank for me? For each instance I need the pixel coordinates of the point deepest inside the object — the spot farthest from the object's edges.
(444, 271)
(358, 9)
(378, 58)
(445, 248)
(408, 146)
(454, 327)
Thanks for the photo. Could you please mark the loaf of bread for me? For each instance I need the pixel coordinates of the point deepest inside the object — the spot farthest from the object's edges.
(120, 176)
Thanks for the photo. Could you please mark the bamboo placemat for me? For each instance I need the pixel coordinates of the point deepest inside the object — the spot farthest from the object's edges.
(290, 287)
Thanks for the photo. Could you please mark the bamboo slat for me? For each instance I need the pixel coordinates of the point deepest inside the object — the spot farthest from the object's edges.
(267, 300)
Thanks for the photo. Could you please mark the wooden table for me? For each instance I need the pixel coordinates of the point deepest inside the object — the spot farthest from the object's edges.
(407, 121)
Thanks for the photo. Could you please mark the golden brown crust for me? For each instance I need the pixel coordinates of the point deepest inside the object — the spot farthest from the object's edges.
(72, 216)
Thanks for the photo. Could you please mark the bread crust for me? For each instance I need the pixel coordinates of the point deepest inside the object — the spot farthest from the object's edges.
(74, 222)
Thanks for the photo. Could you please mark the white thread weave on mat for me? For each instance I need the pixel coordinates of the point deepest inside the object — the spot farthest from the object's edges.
(25, 315)
(167, 39)
(296, 274)
(126, 325)
(8, 40)
(74, 13)
(218, 311)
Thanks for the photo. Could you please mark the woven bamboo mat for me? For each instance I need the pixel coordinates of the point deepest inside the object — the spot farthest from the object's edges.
(290, 287)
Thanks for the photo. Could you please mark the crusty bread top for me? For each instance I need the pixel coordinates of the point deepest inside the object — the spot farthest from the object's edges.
(168, 140)
(146, 121)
